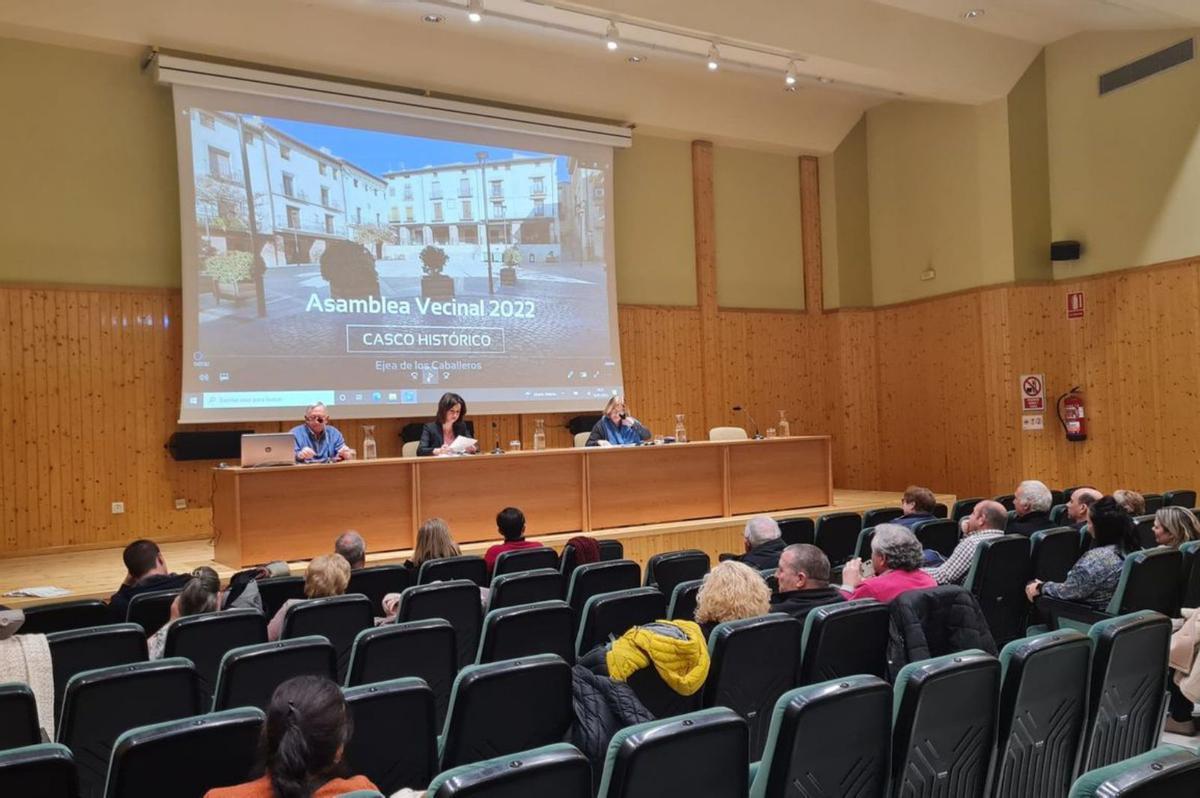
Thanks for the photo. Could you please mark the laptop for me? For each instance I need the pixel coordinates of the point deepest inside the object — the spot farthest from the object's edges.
(268, 449)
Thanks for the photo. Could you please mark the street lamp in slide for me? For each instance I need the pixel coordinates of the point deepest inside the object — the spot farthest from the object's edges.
(483, 201)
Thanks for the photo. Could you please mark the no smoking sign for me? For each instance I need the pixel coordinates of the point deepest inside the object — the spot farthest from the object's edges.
(1033, 393)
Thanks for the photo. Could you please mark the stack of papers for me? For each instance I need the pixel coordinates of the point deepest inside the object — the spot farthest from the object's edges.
(38, 592)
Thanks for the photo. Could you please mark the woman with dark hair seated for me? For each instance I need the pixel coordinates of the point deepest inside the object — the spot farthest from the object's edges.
(300, 750)
(451, 423)
(1093, 579)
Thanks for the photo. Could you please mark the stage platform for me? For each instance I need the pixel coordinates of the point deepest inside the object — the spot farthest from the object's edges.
(98, 573)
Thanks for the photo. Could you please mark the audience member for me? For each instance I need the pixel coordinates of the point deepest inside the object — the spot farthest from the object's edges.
(200, 595)
(1078, 504)
(730, 592)
(1032, 502)
(510, 522)
(986, 521)
(326, 575)
(1183, 682)
(146, 570)
(918, 504)
(896, 559)
(301, 746)
(1131, 501)
(1174, 526)
(434, 542)
(352, 546)
(1094, 577)
(803, 577)
(764, 543)
(586, 550)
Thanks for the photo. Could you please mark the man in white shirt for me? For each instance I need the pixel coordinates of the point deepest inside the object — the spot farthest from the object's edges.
(986, 521)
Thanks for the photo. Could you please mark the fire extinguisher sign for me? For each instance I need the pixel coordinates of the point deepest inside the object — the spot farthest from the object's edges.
(1033, 393)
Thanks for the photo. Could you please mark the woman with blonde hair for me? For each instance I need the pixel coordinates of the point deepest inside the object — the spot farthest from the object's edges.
(617, 427)
(1131, 502)
(434, 542)
(327, 575)
(730, 592)
(1174, 526)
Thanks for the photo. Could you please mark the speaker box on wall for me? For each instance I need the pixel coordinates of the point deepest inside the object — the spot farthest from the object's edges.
(1065, 250)
(214, 445)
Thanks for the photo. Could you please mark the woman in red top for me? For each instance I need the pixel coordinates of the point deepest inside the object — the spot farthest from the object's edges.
(300, 750)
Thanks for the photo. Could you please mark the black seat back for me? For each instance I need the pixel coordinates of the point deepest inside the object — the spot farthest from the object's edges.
(1009, 501)
(504, 707)
(338, 619)
(1151, 582)
(511, 562)
(1058, 514)
(39, 771)
(379, 580)
(940, 534)
(395, 737)
(862, 549)
(185, 758)
(19, 724)
(1168, 771)
(275, 591)
(1144, 524)
(151, 610)
(842, 640)
(797, 530)
(42, 619)
(668, 569)
(941, 511)
(837, 535)
(611, 550)
(937, 748)
(457, 602)
(999, 572)
(1128, 685)
(615, 613)
(880, 515)
(1043, 704)
(1053, 552)
(525, 587)
(752, 663)
(78, 650)
(424, 649)
(527, 629)
(558, 770)
(101, 704)
(1179, 498)
(1190, 575)
(963, 508)
(1154, 502)
(249, 675)
(204, 639)
(600, 577)
(449, 569)
(683, 600)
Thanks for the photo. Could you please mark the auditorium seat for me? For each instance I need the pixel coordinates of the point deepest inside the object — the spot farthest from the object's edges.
(752, 663)
(151, 610)
(941, 511)
(581, 439)
(1179, 498)
(963, 508)
(39, 771)
(939, 534)
(1168, 771)
(511, 562)
(61, 616)
(1149, 581)
(669, 568)
(1190, 574)
(1058, 497)
(600, 577)
(836, 535)
(801, 750)
(19, 724)
(1000, 569)
(609, 550)
(1127, 687)
(448, 569)
(700, 753)
(1154, 502)
(249, 675)
(797, 530)
(683, 600)
(727, 434)
(409, 448)
(1043, 704)
(205, 638)
(1008, 500)
(336, 618)
(101, 704)
(1052, 553)
(504, 707)
(395, 736)
(525, 587)
(456, 601)
(844, 639)
(377, 581)
(275, 590)
(615, 613)
(880, 515)
(557, 770)
(1144, 524)
(424, 649)
(944, 725)
(187, 757)
(78, 650)
(862, 548)
(1058, 514)
(527, 629)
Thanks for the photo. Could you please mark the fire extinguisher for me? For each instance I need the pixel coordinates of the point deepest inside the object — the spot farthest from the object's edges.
(1071, 415)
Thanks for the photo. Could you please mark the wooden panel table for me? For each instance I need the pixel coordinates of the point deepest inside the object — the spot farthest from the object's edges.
(294, 513)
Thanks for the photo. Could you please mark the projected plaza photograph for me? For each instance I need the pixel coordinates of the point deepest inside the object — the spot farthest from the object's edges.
(328, 240)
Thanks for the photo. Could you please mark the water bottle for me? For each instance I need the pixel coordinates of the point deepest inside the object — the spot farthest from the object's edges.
(539, 435)
(785, 429)
(369, 450)
(680, 430)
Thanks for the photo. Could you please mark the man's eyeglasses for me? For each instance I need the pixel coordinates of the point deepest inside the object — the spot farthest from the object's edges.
(318, 419)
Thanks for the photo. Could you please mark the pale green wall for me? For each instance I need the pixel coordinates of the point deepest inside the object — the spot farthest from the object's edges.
(854, 219)
(759, 258)
(1029, 170)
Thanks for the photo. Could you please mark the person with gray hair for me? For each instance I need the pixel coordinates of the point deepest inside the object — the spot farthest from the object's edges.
(1032, 501)
(351, 545)
(896, 558)
(764, 543)
(986, 521)
(317, 441)
(803, 577)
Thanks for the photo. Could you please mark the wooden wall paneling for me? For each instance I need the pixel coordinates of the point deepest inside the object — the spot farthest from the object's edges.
(1174, 318)
(704, 219)
(663, 362)
(852, 399)
(997, 388)
(810, 233)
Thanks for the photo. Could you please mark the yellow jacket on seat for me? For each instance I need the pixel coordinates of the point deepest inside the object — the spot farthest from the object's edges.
(676, 649)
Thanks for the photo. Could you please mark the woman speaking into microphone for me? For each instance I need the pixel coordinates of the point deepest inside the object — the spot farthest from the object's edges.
(451, 423)
(617, 427)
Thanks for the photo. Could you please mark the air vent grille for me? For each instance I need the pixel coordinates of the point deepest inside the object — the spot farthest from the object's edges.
(1143, 68)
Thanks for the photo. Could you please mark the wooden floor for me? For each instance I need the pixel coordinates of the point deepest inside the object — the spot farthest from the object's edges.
(97, 573)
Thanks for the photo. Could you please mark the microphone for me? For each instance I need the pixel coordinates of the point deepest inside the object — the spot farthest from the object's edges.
(757, 435)
(496, 437)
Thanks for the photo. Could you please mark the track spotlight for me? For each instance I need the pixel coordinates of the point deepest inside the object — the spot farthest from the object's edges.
(475, 10)
(790, 77)
(612, 39)
(714, 58)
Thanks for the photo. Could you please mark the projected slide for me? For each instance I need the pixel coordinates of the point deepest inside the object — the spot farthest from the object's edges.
(374, 271)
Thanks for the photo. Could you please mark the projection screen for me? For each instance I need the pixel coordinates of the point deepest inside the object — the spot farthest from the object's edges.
(360, 255)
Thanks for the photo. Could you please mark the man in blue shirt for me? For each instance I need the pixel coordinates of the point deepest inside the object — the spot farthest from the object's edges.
(317, 441)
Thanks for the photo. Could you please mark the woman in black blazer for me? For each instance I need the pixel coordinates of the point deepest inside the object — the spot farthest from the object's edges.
(436, 436)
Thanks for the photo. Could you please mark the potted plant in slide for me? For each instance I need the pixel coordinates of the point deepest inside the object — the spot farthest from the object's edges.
(508, 273)
(232, 275)
(435, 285)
